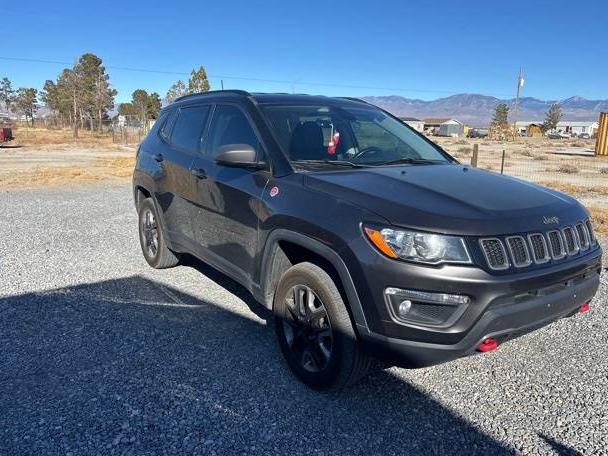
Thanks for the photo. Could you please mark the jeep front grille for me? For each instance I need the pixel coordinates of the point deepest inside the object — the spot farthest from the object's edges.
(495, 253)
(537, 248)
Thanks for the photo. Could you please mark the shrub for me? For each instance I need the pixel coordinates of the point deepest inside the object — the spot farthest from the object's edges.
(567, 169)
(525, 153)
(462, 142)
(464, 150)
(540, 157)
(604, 170)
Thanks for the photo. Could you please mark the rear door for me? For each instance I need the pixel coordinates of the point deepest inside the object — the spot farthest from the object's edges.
(228, 198)
(181, 139)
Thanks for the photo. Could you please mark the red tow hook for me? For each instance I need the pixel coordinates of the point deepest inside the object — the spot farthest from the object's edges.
(584, 307)
(488, 345)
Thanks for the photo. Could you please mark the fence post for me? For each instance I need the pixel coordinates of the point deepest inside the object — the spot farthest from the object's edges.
(475, 155)
(502, 163)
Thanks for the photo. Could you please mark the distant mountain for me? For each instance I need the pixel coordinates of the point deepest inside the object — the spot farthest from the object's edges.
(477, 110)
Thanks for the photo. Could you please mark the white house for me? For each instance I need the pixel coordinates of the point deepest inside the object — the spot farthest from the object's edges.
(443, 127)
(572, 127)
(416, 124)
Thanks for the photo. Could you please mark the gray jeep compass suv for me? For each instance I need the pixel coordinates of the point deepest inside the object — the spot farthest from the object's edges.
(364, 238)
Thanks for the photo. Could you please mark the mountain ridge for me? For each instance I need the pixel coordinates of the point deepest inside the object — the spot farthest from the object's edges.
(478, 109)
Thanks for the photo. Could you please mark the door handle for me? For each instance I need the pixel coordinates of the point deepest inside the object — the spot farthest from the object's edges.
(158, 157)
(200, 173)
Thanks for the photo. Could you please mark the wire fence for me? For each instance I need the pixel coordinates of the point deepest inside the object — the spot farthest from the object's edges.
(125, 130)
(569, 165)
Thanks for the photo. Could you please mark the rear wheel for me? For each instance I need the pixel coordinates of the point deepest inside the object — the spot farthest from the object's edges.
(152, 239)
(314, 330)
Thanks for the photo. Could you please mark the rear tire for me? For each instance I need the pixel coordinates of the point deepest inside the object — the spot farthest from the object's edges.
(314, 330)
(152, 239)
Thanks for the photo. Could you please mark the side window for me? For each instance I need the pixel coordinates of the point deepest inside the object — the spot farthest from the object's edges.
(230, 126)
(189, 127)
(165, 131)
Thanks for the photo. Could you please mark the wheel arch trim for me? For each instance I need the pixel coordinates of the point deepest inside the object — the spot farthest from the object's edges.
(325, 252)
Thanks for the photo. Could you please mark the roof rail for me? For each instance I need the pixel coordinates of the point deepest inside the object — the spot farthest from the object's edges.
(214, 92)
(355, 99)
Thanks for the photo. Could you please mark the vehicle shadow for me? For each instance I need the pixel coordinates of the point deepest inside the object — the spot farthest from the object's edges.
(134, 366)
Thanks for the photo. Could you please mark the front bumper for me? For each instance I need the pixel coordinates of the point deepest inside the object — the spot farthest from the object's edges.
(503, 307)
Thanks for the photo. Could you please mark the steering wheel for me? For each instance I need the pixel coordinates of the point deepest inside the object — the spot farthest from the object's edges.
(367, 151)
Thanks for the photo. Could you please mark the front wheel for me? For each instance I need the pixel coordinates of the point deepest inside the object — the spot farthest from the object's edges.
(314, 330)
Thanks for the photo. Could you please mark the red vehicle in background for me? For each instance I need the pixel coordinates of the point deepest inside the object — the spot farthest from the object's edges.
(6, 131)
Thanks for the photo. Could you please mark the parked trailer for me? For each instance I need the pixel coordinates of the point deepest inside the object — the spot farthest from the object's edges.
(6, 134)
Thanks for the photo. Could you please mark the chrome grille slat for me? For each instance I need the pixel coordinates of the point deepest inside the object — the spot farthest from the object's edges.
(539, 248)
(495, 253)
(556, 245)
(592, 239)
(570, 243)
(583, 236)
(519, 251)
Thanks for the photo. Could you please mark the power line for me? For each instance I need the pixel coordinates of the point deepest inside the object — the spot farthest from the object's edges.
(243, 78)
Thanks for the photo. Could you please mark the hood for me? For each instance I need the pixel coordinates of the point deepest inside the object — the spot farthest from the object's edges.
(450, 198)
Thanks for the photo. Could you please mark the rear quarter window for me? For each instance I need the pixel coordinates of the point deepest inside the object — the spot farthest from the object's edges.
(167, 126)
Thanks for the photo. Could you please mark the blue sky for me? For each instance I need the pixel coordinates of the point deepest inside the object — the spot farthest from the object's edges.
(416, 49)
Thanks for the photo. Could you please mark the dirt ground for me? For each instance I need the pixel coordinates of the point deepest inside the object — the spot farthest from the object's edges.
(41, 158)
(44, 158)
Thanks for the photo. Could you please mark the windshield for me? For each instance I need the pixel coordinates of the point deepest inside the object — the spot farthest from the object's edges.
(354, 135)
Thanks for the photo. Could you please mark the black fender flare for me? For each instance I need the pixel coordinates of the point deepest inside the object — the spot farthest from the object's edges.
(328, 254)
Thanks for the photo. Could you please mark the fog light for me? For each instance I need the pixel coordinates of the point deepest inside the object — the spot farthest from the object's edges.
(404, 308)
(424, 307)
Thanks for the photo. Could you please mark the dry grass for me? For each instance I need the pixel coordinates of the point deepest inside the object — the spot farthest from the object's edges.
(65, 137)
(102, 169)
(574, 190)
(599, 216)
(567, 169)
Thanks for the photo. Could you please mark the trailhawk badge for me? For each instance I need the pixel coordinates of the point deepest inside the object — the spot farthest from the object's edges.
(550, 220)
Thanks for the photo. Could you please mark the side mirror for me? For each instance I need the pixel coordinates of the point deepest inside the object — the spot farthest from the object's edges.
(241, 155)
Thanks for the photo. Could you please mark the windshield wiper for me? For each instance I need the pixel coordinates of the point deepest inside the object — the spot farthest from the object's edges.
(410, 161)
(330, 162)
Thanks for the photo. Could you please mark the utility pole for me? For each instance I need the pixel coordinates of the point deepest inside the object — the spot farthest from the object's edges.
(222, 82)
(520, 84)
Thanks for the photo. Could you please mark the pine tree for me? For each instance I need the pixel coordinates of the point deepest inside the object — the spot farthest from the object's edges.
(554, 114)
(175, 91)
(153, 106)
(7, 94)
(501, 115)
(26, 102)
(198, 81)
(51, 98)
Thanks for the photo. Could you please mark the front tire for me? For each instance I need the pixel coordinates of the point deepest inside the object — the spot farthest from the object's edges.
(314, 330)
(152, 239)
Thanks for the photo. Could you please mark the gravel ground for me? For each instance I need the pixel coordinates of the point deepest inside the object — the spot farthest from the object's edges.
(102, 355)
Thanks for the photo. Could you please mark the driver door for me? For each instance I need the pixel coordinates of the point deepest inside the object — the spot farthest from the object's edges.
(229, 199)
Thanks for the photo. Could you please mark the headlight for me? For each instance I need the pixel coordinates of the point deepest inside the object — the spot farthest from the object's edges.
(419, 247)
